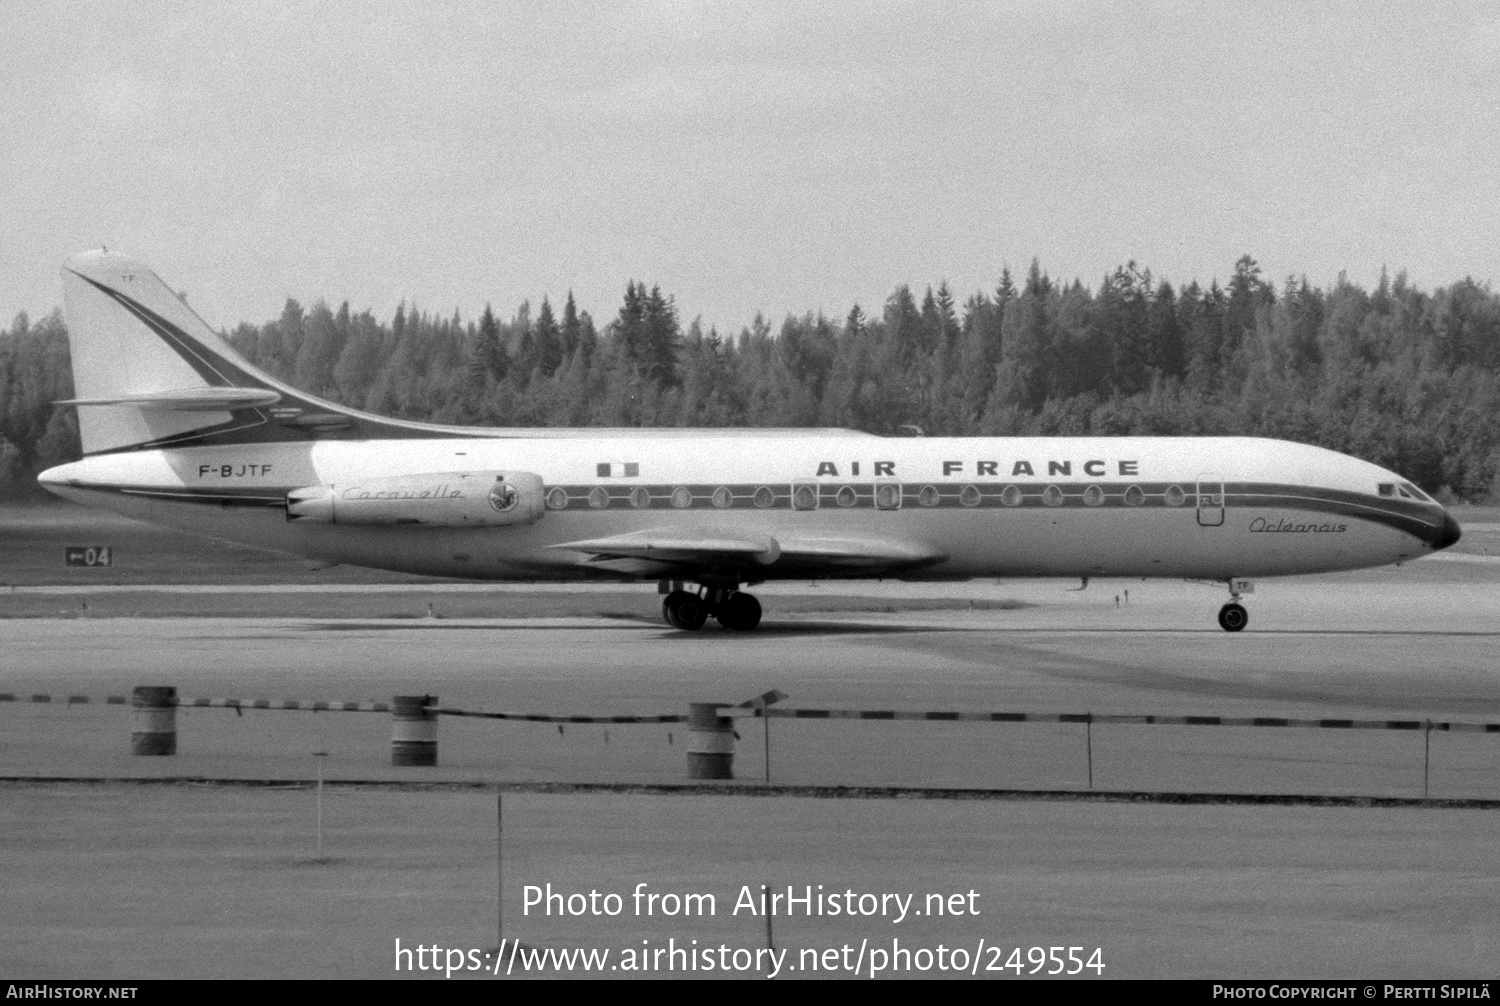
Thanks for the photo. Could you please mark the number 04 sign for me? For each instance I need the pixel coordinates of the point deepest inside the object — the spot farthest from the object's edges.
(86, 555)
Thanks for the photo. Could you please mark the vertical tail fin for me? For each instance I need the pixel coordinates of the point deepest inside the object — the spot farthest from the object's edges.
(146, 369)
(148, 372)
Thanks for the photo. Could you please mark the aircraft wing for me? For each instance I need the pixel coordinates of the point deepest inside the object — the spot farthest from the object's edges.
(666, 545)
(860, 553)
(700, 550)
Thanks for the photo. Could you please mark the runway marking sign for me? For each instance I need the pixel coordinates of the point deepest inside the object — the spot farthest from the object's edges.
(88, 555)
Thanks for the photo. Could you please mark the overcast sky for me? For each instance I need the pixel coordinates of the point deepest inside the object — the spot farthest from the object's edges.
(743, 156)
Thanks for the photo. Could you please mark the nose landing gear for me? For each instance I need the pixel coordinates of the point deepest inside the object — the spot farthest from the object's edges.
(734, 609)
(1233, 617)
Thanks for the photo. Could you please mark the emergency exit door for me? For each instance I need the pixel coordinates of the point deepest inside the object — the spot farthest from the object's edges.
(1210, 500)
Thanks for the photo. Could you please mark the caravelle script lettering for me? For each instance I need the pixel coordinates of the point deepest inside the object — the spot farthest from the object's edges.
(441, 492)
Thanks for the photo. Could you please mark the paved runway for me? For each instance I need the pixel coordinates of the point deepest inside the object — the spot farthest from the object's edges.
(1371, 891)
(1416, 651)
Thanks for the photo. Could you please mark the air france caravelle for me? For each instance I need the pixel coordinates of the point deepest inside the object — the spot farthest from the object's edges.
(178, 429)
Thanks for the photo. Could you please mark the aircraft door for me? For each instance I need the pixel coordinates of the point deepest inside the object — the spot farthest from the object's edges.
(1210, 500)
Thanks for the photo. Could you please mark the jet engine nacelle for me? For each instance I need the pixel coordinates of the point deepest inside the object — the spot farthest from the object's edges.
(442, 499)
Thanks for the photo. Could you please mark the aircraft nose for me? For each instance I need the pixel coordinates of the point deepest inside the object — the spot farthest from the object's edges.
(1447, 534)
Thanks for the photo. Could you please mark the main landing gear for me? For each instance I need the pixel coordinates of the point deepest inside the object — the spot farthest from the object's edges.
(1233, 617)
(734, 609)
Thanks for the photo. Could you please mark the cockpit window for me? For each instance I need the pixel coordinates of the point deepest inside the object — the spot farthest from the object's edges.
(1387, 488)
(1415, 493)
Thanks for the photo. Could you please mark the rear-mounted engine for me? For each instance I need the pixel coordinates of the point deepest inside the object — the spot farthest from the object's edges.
(442, 499)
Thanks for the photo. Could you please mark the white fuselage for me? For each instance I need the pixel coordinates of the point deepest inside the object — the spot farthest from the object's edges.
(1209, 508)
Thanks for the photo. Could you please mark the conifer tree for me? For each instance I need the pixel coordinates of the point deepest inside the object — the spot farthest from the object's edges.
(572, 329)
(489, 360)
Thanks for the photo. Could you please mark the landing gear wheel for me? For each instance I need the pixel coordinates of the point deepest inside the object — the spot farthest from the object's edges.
(740, 612)
(683, 610)
(1233, 617)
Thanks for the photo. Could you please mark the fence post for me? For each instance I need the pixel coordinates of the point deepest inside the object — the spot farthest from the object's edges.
(710, 742)
(762, 705)
(318, 757)
(1426, 754)
(414, 728)
(155, 730)
(1088, 734)
(500, 867)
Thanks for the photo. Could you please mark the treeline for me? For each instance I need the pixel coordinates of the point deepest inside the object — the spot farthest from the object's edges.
(34, 372)
(1406, 379)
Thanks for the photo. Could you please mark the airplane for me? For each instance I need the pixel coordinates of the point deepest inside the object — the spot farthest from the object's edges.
(178, 429)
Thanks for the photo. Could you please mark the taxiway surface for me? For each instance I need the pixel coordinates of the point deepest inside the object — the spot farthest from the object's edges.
(123, 881)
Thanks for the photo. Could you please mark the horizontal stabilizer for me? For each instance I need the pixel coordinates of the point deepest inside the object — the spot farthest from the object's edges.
(215, 399)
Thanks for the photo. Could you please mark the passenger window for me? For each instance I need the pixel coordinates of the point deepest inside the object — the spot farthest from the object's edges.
(888, 496)
(928, 496)
(969, 496)
(1134, 496)
(847, 496)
